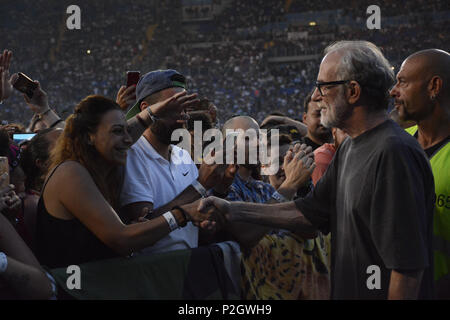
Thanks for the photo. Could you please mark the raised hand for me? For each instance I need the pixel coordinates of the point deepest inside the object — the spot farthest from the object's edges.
(39, 101)
(213, 169)
(126, 97)
(298, 166)
(6, 87)
(223, 185)
(174, 106)
(9, 199)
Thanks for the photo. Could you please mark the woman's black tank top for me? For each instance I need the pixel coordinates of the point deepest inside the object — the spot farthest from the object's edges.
(60, 243)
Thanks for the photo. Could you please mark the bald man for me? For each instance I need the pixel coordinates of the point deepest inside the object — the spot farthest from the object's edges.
(422, 95)
(248, 186)
(306, 251)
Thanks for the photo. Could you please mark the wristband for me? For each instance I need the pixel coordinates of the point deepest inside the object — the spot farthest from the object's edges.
(3, 262)
(200, 189)
(173, 225)
(185, 216)
(53, 284)
(43, 113)
(279, 197)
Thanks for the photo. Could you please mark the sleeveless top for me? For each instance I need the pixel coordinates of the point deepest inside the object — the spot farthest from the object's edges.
(60, 243)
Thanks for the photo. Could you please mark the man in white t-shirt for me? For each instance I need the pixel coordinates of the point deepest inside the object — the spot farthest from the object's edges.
(159, 175)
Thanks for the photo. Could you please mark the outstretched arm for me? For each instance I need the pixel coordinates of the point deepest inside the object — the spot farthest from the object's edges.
(5, 83)
(277, 216)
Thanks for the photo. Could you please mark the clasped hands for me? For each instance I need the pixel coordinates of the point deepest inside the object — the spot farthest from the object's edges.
(213, 212)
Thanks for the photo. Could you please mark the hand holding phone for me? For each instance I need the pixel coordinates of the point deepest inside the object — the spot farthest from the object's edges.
(133, 78)
(25, 84)
(34, 96)
(127, 94)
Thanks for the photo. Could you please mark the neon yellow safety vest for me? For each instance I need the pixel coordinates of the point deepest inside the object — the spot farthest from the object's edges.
(440, 165)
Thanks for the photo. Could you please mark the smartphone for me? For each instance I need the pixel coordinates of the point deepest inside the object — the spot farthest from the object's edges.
(4, 172)
(20, 137)
(25, 85)
(133, 78)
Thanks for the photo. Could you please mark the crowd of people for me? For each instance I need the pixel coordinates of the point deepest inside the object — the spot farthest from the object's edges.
(362, 151)
(60, 57)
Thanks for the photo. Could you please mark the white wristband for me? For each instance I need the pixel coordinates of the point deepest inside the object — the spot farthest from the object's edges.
(173, 225)
(3, 262)
(200, 189)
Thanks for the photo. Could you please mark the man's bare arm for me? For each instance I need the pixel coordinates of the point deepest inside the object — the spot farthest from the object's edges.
(278, 216)
(133, 211)
(249, 234)
(405, 285)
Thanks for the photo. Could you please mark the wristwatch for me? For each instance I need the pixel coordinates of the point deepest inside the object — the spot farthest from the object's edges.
(279, 197)
(152, 116)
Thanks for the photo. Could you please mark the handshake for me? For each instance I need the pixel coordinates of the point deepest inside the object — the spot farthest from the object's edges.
(208, 213)
(212, 212)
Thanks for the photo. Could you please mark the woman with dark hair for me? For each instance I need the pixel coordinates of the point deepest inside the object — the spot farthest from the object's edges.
(77, 220)
(34, 161)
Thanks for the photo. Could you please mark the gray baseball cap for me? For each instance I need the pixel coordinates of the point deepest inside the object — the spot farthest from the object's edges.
(153, 82)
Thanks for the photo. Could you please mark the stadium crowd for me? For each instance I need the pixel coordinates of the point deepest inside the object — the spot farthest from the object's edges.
(362, 148)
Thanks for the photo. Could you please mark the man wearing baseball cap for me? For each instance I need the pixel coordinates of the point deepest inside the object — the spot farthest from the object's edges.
(158, 175)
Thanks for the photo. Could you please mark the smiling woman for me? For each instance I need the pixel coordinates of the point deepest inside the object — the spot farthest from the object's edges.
(77, 220)
(96, 136)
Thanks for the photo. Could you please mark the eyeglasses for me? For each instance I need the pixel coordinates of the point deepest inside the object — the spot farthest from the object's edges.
(320, 84)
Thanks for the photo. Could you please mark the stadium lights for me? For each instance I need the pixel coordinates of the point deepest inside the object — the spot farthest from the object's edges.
(88, 51)
(312, 23)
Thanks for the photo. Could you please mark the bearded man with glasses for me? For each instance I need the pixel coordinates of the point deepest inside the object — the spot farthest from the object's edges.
(376, 197)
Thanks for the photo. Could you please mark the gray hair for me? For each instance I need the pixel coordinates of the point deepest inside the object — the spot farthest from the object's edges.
(364, 62)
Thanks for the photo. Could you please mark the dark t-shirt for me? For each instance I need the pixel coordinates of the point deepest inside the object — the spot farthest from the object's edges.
(377, 199)
(432, 150)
